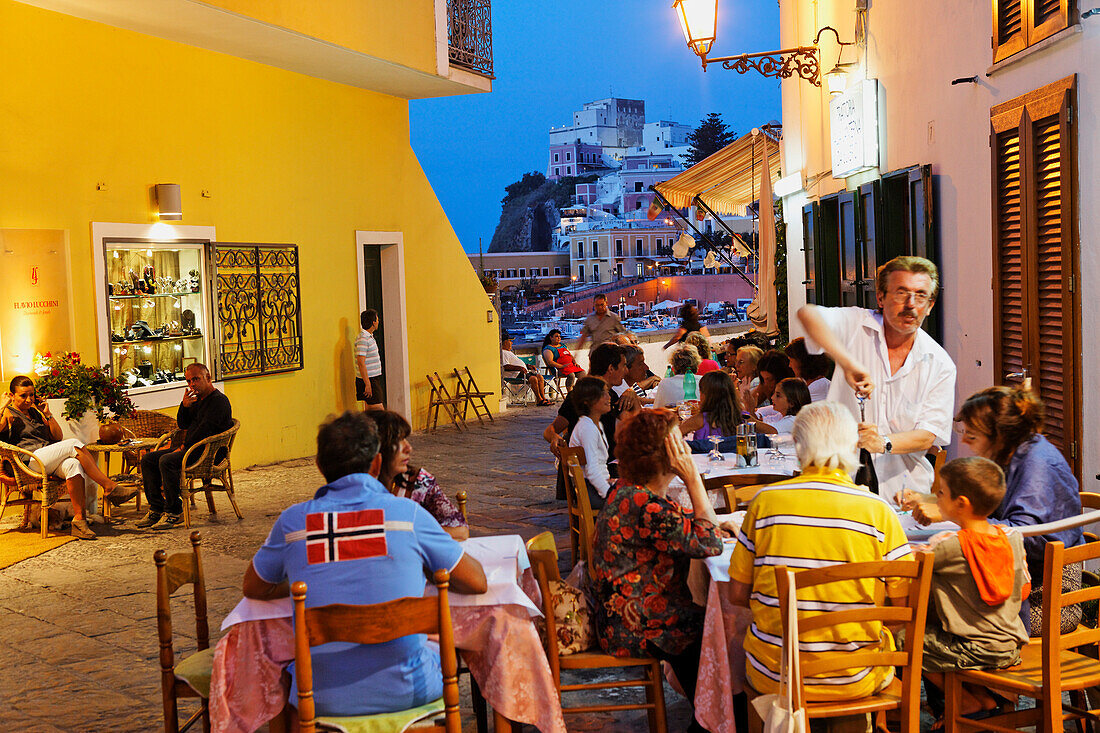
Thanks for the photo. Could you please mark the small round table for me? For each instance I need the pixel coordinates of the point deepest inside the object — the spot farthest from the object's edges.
(106, 449)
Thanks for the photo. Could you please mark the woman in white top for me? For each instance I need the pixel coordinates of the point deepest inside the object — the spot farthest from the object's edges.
(670, 392)
(813, 369)
(592, 399)
(790, 396)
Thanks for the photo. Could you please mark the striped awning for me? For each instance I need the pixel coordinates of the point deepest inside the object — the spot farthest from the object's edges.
(725, 180)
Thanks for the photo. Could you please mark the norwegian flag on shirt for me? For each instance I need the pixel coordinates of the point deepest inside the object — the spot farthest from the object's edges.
(337, 536)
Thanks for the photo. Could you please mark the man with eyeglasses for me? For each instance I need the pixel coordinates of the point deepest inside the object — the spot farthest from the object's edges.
(906, 378)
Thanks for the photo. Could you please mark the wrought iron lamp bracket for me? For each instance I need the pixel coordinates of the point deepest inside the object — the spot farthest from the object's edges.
(801, 61)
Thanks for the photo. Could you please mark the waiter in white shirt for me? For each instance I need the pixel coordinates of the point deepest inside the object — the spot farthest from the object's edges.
(908, 380)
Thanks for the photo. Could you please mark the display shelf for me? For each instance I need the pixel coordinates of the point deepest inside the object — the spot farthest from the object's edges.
(154, 295)
(160, 338)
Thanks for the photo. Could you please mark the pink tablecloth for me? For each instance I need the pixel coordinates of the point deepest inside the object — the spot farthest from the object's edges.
(722, 662)
(499, 644)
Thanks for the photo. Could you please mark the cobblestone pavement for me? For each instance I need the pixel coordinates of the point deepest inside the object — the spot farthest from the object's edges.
(78, 644)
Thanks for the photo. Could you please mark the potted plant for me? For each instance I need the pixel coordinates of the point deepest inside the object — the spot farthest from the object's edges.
(89, 392)
(488, 281)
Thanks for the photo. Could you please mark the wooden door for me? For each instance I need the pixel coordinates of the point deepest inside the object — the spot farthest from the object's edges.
(848, 241)
(870, 207)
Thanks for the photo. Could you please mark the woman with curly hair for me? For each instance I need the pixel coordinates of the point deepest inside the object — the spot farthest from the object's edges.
(405, 480)
(1004, 425)
(671, 389)
(644, 545)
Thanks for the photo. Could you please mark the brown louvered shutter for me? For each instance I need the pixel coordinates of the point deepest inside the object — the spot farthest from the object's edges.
(1008, 297)
(1009, 27)
(1035, 254)
(1045, 18)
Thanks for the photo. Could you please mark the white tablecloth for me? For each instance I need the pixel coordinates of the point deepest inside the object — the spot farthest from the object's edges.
(503, 557)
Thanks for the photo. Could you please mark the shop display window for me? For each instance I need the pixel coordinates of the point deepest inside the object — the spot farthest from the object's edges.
(157, 309)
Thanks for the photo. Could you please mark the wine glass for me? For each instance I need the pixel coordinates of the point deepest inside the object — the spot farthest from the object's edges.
(715, 455)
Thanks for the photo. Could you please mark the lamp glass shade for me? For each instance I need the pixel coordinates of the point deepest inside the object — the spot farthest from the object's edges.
(169, 202)
(837, 80)
(699, 22)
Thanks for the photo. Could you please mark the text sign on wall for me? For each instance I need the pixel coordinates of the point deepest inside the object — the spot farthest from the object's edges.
(35, 297)
(853, 129)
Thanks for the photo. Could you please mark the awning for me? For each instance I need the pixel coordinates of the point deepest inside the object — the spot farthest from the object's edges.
(725, 180)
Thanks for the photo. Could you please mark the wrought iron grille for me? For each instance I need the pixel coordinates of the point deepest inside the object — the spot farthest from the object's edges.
(470, 35)
(259, 309)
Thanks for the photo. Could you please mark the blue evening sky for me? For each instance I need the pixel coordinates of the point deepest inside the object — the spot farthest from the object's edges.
(552, 57)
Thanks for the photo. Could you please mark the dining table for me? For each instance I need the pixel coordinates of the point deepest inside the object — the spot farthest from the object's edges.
(494, 633)
(104, 451)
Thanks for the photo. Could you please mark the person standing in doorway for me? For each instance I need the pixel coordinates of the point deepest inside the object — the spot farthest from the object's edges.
(368, 385)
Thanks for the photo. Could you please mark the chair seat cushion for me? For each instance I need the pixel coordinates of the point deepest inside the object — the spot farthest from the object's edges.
(383, 722)
(195, 671)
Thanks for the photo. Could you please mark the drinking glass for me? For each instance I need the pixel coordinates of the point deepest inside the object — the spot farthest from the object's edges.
(715, 455)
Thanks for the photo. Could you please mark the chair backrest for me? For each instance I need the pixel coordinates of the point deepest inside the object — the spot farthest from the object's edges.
(173, 572)
(911, 615)
(543, 553)
(1090, 502)
(213, 452)
(461, 498)
(739, 489)
(374, 624)
(148, 424)
(583, 519)
(1058, 556)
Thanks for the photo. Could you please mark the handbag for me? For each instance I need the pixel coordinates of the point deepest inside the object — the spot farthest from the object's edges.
(777, 710)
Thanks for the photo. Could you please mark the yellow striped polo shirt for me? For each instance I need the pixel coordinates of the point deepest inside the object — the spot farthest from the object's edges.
(820, 518)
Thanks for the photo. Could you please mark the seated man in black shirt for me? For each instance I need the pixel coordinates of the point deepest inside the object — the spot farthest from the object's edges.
(608, 362)
(204, 411)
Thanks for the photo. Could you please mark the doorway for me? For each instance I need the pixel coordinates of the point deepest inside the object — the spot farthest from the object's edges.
(381, 264)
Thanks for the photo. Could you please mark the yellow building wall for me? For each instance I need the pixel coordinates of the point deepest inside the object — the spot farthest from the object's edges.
(401, 32)
(285, 158)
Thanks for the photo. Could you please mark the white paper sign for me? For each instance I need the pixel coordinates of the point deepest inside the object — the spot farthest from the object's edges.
(853, 129)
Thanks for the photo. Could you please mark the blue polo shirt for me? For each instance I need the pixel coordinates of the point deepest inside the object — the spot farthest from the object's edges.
(356, 543)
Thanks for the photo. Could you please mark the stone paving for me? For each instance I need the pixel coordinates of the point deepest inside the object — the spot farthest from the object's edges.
(78, 644)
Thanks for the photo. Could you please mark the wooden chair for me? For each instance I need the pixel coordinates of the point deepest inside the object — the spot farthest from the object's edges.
(440, 397)
(374, 624)
(543, 553)
(189, 677)
(582, 519)
(472, 396)
(1090, 502)
(739, 489)
(207, 462)
(21, 485)
(1049, 665)
(903, 693)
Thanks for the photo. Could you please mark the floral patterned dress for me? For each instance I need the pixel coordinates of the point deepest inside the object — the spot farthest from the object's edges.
(643, 548)
(422, 488)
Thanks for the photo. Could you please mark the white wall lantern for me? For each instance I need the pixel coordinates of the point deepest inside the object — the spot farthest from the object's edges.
(788, 185)
(853, 129)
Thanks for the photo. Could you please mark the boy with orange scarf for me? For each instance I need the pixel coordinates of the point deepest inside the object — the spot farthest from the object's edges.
(979, 580)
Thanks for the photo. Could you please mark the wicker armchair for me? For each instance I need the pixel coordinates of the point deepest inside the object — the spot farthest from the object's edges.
(28, 486)
(144, 424)
(207, 462)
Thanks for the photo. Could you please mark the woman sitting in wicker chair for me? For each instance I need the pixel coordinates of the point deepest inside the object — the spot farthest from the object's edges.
(26, 422)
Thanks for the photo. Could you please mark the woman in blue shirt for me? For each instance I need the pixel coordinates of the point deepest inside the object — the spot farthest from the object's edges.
(1003, 424)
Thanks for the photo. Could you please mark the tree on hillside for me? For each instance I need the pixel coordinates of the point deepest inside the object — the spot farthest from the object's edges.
(708, 138)
(530, 182)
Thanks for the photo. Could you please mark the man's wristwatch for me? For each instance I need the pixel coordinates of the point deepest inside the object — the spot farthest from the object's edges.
(888, 446)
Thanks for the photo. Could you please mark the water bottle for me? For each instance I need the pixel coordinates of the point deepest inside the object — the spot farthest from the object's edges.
(668, 372)
(689, 385)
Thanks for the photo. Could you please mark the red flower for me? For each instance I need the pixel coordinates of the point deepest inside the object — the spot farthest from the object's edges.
(653, 508)
(55, 372)
(47, 355)
(640, 498)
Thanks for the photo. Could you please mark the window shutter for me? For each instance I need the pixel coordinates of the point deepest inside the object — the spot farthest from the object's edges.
(1035, 254)
(1009, 27)
(1045, 18)
(849, 244)
(809, 236)
(1008, 239)
(1054, 248)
